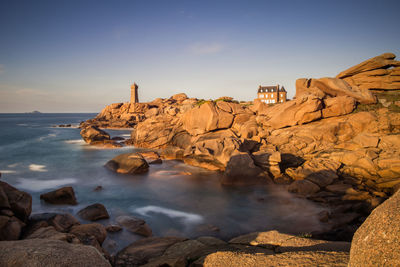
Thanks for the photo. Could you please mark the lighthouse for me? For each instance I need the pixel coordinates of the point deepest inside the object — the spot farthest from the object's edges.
(134, 93)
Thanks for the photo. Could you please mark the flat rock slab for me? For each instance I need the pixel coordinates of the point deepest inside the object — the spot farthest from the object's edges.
(299, 258)
(49, 253)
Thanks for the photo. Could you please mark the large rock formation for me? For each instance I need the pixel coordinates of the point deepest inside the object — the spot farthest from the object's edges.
(332, 87)
(377, 241)
(381, 73)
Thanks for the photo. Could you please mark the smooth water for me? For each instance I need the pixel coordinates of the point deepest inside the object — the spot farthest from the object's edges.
(37, 157)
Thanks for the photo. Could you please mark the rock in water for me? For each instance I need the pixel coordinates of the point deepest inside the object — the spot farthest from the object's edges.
(51, 253)
(377, 241)
(135, 225)
(62, 196)
(128, 163)
(94, 212)
(93, 134)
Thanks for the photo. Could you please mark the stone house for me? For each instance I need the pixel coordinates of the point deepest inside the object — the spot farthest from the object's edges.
(271, 94)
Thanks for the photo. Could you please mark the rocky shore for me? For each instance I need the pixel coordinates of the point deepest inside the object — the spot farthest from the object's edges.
(52, 239)
(337, 143)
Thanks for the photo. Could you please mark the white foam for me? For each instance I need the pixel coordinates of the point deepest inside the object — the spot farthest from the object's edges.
(77, 141)
(7, 171)
(37, 168)
(126, 135)
(22, 124)
(39, 185)
(185, 216)
(13, 165)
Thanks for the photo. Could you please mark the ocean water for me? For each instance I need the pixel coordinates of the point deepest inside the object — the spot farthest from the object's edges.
(37, 157)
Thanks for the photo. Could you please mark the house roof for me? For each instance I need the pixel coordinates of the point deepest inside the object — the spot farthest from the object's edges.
(270, 89)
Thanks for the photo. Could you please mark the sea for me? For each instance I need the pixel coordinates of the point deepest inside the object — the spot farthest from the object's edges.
(174, 199)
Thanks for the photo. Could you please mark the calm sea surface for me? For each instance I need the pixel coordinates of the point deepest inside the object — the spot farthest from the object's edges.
(37, 157)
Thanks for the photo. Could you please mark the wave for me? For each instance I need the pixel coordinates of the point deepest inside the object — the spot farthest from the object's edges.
(39, 185)
(184, 216)
(22, 124)
(125, 135)
(47, 136)
(7, 171)
(37, 168)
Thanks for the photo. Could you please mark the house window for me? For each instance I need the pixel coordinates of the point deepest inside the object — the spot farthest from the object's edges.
(281, 95)
(272, 95)
(273, 101)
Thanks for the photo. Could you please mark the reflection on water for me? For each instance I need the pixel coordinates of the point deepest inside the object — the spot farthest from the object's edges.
(173, 198)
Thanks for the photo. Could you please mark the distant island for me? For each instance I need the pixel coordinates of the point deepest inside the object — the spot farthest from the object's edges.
(34, 112)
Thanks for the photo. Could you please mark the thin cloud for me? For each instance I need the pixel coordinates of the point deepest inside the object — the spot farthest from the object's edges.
(31, 92)
(204, 49)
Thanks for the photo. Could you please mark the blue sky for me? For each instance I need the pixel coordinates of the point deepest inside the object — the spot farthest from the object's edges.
(78, 56)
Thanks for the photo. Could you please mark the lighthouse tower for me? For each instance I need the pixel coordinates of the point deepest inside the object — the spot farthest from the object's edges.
(134, 93)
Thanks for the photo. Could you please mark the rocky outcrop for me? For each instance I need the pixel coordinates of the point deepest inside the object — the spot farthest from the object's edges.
(62, 196)
(45, 252)
(378, 73)
(304, 109)
(332, 87)
(128, 163)
(377, 241)
(93, 134)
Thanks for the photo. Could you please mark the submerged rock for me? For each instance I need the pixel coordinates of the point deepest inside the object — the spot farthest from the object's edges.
(128, 163)
(62, 196)
(135, 225)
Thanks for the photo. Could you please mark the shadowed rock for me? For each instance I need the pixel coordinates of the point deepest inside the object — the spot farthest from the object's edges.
(94, 212)
(52, 253)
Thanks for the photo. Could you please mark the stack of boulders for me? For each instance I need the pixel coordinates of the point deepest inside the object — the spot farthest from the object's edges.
(15, 208)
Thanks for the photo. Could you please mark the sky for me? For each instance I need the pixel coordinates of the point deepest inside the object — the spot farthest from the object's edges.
(80, 55)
